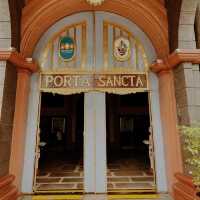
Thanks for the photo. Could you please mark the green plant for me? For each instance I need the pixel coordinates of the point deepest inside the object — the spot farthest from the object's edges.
(191, 135)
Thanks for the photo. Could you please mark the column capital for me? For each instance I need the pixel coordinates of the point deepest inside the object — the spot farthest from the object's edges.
(164, 72)
(24, 71)
(18, 60)
(174, 59)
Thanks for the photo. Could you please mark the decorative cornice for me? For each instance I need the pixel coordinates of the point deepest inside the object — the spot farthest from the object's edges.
(18, 60)
(5, 55)
(177, 57)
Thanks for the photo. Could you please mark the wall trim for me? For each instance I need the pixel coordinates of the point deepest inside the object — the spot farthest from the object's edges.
(18, 60)
(177, 57)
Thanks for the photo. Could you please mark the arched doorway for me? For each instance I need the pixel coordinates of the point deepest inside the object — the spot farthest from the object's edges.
(94, 36)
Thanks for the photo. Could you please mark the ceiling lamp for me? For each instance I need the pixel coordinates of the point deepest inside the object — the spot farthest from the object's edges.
(95, 2)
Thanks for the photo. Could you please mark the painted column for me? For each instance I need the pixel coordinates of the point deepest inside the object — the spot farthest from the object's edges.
(19, 125)
(95, 180)
(100, 140)
(89, 145)
(169, 122)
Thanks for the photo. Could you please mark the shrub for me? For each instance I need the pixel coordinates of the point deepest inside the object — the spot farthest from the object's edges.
(191, 136)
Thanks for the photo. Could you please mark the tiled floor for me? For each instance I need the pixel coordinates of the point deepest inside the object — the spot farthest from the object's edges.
(129, 174)
(122, 174)
(60, 176)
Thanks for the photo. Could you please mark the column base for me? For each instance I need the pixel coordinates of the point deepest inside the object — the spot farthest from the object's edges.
(184, 189)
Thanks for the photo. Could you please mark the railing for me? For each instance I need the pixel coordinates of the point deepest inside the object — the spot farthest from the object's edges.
(7, 190)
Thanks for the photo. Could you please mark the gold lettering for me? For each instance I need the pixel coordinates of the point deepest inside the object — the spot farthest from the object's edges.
(109, 82)
(58, 81)
(48, 80)
(132, 80)
(67, 81)
(117, 81)
(85, 82)
(93, 80)
(76, 81)
(125, 84)
(101, 81)
(139, 82)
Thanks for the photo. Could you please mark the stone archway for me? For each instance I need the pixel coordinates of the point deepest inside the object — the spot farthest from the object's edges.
(149, 16)
(34, 99)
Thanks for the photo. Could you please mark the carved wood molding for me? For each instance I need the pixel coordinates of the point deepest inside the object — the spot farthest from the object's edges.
(18, 60)
(150, 16)
(177, 57)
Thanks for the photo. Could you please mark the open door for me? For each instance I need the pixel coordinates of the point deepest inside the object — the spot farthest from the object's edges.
(130, 151)
(59, 152)
(91, 43)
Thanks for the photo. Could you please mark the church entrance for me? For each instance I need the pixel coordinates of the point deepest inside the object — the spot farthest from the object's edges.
(95, 131)
(130, 154)
(60, 144)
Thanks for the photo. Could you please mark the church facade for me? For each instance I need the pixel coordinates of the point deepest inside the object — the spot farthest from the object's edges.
(92, 94)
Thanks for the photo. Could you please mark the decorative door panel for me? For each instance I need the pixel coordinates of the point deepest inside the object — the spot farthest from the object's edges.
(71, 48)
(96, 42)
(94, 54)
(121, 50)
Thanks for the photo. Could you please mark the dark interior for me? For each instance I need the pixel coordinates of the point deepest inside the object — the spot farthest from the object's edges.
(128, 127)
(61, 128)
(61, 142)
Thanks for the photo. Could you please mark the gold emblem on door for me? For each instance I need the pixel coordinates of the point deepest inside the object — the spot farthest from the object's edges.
(122, 49)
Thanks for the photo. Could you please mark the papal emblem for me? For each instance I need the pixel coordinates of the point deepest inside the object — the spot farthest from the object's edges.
(122, 49)
(66, 48)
